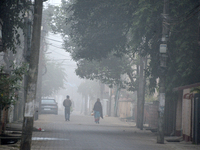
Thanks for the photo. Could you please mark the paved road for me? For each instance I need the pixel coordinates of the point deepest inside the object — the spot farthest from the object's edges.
(81, 133)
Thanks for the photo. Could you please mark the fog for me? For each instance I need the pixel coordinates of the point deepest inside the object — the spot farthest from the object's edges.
(134, 53)
(110, 74)
(57, 54)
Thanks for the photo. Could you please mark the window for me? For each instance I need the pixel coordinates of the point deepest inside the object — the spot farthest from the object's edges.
(48, 101)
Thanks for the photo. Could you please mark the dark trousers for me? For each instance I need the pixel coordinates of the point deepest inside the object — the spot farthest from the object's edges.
(67, 113)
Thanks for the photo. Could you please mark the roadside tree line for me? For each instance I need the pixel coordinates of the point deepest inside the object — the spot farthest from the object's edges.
(106, 38)
(15, 37)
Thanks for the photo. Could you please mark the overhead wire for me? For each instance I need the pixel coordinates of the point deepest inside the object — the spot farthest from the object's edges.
(187, 15)
(59, 53)
(58, 59)
(56, 46)
(54, 40)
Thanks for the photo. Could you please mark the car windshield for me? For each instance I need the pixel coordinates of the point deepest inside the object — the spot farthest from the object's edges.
(48, 101)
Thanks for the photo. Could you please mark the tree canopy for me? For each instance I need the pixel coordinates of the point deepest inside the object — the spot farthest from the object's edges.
(54, 79)
(89, 88)
(12, 18)
(12, 13)
(10, 84)
(111, 71)
(100, 28)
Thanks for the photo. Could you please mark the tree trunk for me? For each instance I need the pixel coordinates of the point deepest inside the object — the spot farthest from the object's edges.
(116, 100)
(86, 104)
(31, 80)
(4, 119)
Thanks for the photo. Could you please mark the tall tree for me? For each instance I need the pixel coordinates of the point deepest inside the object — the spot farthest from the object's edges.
(54, 78)
(15, 11)
(98, 28)
(12, 14)
(111, 71)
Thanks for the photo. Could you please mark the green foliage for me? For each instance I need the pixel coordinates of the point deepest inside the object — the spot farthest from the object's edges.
(111, 71)
(117, 27)
(54, 18)
(197, 90)
(183, 53)
(150, 98)
(10, 84)
(54, 79)
(12, 13)
(90, 88)
(100, 28)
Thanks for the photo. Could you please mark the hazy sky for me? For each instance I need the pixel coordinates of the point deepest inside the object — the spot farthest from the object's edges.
(55, 50)
(54, 2)
(57, 54)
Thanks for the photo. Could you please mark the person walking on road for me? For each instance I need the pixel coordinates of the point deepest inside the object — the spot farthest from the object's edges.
(97, 111)
(67, 104)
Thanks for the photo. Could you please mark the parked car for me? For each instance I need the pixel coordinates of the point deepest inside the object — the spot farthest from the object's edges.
(49, 106)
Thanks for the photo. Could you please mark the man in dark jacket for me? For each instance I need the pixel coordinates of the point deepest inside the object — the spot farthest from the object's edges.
(97, 111)
(67, 104)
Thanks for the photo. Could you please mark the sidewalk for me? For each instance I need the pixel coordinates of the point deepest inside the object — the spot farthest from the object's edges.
(182, 145)
(13, 127)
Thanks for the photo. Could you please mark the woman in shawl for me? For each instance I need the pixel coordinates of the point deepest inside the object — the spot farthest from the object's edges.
(97, 111)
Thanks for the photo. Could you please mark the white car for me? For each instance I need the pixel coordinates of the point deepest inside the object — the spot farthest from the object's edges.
(49, 106)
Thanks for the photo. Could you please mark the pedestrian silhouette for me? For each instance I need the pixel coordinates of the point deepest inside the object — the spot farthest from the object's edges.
(67, 104)
(97, 111)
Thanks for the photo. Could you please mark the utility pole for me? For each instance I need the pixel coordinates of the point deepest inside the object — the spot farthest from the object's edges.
(110, 101)
(117, 94)
(141, 92)
(140, 99)
(163, 57)
(39, 79)
(199, 26)
(31, 79)
(86, 104)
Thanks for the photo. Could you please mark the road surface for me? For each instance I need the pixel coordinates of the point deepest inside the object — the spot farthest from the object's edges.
(81, 133)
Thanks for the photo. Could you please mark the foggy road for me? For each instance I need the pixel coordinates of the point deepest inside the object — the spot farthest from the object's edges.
(81, 133)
